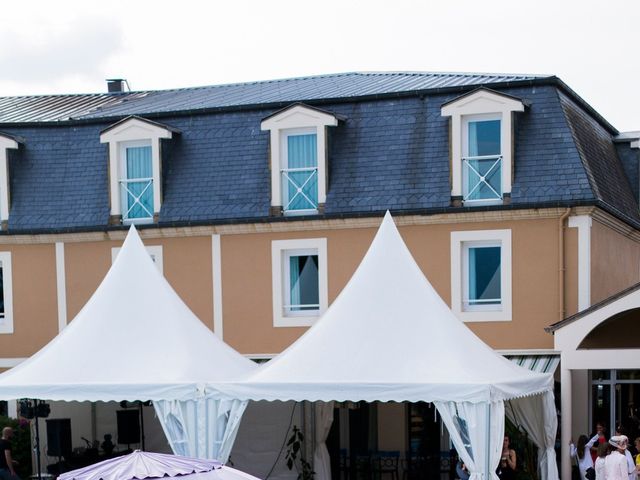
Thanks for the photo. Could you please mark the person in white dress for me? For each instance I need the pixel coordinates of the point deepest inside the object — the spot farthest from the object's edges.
(615, 465)
(603, 451)
(581, 452)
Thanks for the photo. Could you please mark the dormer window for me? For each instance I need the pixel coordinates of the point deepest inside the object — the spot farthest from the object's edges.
(298, 159)
(6, 142)
(135, 169)
(481, 146)
(482, 159)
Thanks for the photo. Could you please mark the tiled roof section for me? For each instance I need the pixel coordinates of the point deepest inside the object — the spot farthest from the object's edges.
(56, 108)
(547, 165)
(53, 108)
(603, 167)
(60, 180)
(390, 153)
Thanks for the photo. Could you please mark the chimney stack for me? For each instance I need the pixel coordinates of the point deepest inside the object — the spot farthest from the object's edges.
(116, 85)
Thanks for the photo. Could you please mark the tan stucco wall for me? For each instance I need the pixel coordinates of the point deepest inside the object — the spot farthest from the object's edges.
(186, 265)
(247, 294)
(570, 271)
(615, 262)
(35, 315)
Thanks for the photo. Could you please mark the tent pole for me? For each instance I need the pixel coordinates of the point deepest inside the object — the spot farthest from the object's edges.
(487, 472)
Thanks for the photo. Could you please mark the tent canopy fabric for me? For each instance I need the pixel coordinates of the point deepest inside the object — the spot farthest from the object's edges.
(389, 337)
(135, 339)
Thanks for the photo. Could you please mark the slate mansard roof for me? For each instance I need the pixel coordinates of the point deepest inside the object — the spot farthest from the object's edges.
(390, 151)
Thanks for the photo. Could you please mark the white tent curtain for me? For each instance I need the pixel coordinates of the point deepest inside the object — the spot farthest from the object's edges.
(470, 425)
(537, 415)
(321, 459)
(202, 428)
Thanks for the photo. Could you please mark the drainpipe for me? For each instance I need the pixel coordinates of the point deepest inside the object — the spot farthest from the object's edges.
(561, 268)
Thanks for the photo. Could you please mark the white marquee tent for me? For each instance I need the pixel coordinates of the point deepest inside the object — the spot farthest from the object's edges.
(390, 337)
(135, 339)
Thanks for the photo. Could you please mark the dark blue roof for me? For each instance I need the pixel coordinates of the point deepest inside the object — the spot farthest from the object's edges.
(55, 108)
(386, 153)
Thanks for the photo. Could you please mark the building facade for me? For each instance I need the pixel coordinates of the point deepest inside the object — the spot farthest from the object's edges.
(257, 202)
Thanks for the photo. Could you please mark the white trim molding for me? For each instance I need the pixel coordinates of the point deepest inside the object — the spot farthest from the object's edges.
(290, 119)
(6, 322)
(279, 251)
(61, 286)
(489, 313)
(11, 362)
(481, 102)
(216, 258)
(5, 144)
(154, 251)
(583, 224)
(128, 131)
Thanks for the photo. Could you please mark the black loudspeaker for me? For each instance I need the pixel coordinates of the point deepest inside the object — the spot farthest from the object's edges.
(58, 437)
(128, 426)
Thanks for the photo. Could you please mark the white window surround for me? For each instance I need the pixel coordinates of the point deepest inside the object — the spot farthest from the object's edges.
(154, 251)
(5, 143)
(281, 250)
(298, 118)
(488, 313)
(127, 133)
(6, 322)
(477, 103)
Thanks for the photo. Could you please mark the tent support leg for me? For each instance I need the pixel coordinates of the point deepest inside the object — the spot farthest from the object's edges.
(487, 472)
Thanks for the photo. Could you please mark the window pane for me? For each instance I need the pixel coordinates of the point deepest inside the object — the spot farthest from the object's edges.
(300, 177)
(484, 138)
(601, 404)
(139, 186)
(484, 276)
(303, 281)
(628, 374)
(482, 179)
(600, 375)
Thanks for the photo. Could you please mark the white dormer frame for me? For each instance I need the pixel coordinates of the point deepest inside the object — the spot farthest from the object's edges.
(129, 130)
(6, 143)
(298, 117)
(479, 103)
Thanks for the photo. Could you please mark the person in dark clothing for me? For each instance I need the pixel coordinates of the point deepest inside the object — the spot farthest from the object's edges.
(507, 466)
(7, 471)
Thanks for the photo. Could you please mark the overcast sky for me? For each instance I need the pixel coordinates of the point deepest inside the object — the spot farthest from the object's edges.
(69, 46)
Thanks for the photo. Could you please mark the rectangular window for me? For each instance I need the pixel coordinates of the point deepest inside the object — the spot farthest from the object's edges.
(299, 270)
(482, 161)
(301, 277)
(300, 172)
(6, 295)
(481, 275)
(137, 181)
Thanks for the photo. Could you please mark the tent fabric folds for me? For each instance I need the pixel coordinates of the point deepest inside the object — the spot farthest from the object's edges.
(389, 336)
(135, 339)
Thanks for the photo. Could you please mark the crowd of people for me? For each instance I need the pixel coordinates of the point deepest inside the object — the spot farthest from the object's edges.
(601, 459)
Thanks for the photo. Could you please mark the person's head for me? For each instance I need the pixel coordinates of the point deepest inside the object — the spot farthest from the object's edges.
(619, 442)
(620, 430)
(603, 450)
(7, 433)
(600, 428)
(582, 442)
(506, 442)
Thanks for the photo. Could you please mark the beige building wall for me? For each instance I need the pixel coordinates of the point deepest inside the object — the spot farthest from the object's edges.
(35, 317)
(615, 262)
(247, 280)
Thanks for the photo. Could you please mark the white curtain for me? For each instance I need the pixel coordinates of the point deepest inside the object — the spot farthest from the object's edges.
(470, 425)
(537, 415)
(321, 459)
(201, 428)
